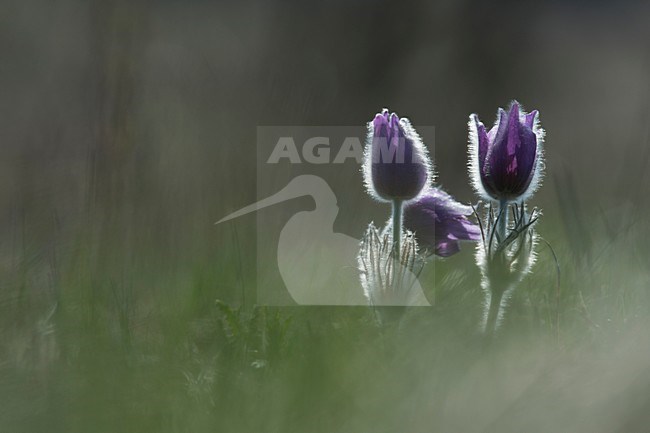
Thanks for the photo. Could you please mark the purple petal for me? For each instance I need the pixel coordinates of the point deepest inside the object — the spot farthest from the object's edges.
(498, 159)
(526, 155)
(439, 222)
(448, 248)
(380, 121)
(513, 141)
(483, 141)
(529, 119)
(499, 127)
(497, 152)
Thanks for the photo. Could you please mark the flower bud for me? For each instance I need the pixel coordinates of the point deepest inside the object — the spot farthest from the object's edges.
(396, 163)
(387, 278)
(506, 162)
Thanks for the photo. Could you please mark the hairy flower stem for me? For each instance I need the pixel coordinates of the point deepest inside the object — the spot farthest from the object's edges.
(397, 228)
(493, 313)
(502, 227)
(496, 291)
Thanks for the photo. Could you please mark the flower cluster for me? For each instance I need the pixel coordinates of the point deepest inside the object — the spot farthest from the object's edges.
(425, 220)
(506, 166)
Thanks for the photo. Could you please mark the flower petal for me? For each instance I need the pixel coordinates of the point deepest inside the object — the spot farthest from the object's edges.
(529, 119)
(526, 156)
(439, 222)
(513, 142)
(447, 248)
(483, 141)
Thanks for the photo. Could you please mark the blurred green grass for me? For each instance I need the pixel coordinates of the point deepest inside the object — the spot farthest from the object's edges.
(107, 357)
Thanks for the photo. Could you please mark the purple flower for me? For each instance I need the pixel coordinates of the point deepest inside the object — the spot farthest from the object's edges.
(506, 162)
(396, 162)
(439, 222)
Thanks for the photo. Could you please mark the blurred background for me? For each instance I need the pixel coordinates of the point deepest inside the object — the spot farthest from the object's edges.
(127, 128)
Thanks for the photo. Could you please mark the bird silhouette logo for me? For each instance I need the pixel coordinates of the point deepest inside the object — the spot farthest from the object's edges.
(313, 260)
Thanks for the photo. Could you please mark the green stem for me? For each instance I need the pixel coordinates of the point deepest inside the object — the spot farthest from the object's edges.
(397, 228)
(493, 312)
(502, 227)
(497, 271)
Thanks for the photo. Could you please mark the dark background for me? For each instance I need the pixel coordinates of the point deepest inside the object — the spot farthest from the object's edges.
(136, 121)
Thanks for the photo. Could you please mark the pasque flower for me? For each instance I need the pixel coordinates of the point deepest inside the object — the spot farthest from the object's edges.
(425, 220)
(506, 161)
(396, 162)
(396, 166)
(505, 165)
(439, 222)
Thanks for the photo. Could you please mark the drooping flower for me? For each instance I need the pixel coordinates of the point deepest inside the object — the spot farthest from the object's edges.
(439, 222)
(506, 162)
(396, 165)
